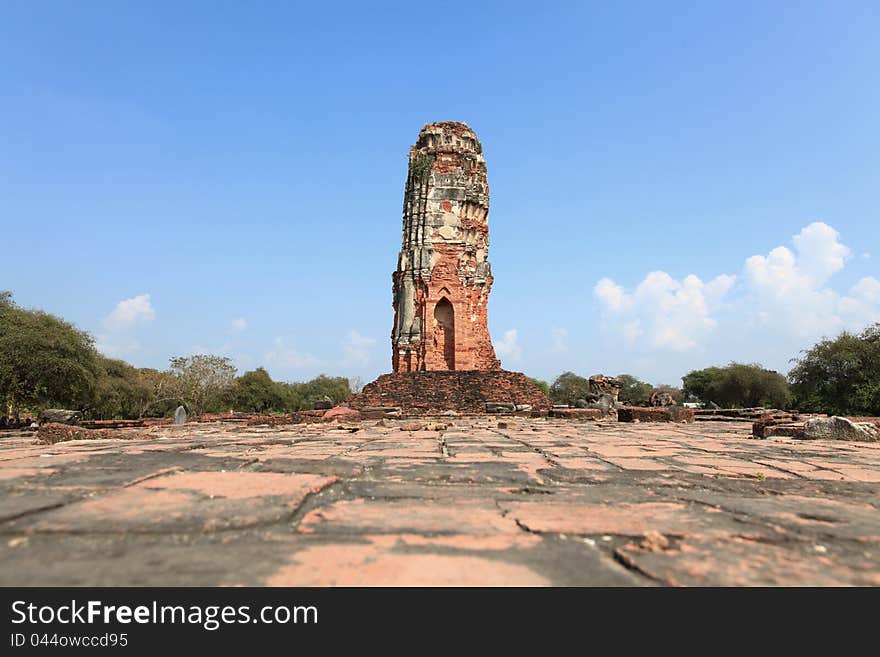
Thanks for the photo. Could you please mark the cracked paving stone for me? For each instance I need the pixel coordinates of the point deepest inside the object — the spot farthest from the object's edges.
(538, 503)
(191, 501)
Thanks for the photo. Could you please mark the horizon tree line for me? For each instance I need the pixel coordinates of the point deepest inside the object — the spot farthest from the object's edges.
(46, 361)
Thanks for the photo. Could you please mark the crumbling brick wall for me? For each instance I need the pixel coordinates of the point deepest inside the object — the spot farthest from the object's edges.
(55, 432)
(655, 414)
(605, 385)
(443, 278)
(438, 391)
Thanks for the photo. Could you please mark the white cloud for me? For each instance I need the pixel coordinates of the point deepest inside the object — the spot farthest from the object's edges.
(782, 272)
(867, 289)
(611, 295)
(787, 292)
(116, 339)
(357, 348)
(662, 312)
(508, 346)
(784, 295)
(717, 288)
(131, 311)
(284, 356)
(238, 325)
(862, 305)
(820, 253)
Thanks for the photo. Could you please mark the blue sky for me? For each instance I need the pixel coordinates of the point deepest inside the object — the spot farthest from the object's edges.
(673, 185)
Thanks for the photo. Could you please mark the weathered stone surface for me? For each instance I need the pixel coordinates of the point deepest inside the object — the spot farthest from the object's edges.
(840, 428)
(323, 404)
(438, 391)
(606, 403)
(481, 502)
(776, 430)
(654, 414)
(221, 417)
(180, 415)
(379, 412)
(776, 423)
(274, 420)
(602, 385)
(661, 398)
(60, 416)
(577, 413)
(112, 424)
(342, 413)
(500, 407)
(757, 413)
(443, 277)
(54, 432)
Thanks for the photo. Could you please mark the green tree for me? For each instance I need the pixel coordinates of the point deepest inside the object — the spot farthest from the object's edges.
(334, 387)
(203, 381)
(44, 361)
(164, 392)
(542, 385)
(751, 385)
(700, 384)
(633, 391)
(738, 385)
(677, 393)
(256, 392)
(302, 396)
(120, 391)
(569, 387)
(840, 376)
(292, 398)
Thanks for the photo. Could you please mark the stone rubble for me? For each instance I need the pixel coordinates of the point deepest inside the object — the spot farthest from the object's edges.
(840, 428)
(604, 385)
(51, 433)
(655, 414)
(60, 416)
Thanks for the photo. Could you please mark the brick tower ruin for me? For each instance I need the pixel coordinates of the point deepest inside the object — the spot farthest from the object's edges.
(441, 354)
(443, 278)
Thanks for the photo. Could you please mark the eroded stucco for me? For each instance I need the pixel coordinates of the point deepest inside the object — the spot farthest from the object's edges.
(444, 255)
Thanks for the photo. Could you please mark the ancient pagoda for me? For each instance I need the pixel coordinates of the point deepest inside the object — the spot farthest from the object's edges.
(441, 354)
(443, 278)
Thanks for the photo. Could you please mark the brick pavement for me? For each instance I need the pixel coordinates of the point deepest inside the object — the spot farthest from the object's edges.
(530, 502)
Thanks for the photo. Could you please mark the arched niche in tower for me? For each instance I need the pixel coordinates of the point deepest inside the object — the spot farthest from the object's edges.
(444, 314)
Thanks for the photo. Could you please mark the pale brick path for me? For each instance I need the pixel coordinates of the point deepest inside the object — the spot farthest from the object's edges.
(534, 502)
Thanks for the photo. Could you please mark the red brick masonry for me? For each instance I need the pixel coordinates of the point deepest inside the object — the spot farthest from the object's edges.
(443, 278)
(438, 391)
(792, 425)
(466, 501)
(652, 414)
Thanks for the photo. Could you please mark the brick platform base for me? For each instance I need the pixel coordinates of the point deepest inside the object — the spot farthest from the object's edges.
(464, 391)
